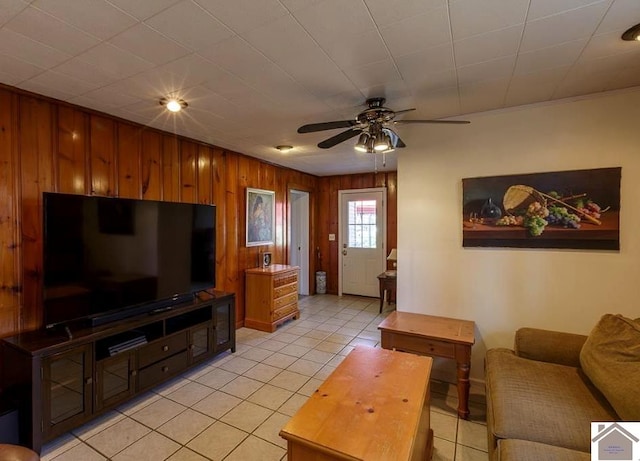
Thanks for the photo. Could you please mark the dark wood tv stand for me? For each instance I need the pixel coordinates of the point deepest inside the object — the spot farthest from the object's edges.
(61, 382)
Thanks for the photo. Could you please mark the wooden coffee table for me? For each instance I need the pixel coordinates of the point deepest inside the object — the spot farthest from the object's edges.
(364, 412)
(434, 336)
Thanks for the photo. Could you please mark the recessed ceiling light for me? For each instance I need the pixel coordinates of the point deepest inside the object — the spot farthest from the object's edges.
(284, 149)
(173, 104)
(633, 33)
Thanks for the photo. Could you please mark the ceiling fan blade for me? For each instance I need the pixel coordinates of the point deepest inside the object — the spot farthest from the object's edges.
(313, 127)
(457, 122)
(400, 143)
(337, 139)
(403, 111)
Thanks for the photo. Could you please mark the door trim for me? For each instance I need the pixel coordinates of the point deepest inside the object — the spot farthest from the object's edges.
(341, 237)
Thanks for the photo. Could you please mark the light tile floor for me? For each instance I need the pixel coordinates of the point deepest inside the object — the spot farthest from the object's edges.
(232, 407)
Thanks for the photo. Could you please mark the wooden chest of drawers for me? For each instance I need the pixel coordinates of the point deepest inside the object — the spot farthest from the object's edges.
(271, 296)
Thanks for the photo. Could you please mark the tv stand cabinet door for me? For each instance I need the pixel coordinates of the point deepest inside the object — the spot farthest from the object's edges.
(67, 387)
(115, 379)
(200, 342)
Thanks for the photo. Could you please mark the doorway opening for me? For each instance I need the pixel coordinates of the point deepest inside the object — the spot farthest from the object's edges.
(299, 247)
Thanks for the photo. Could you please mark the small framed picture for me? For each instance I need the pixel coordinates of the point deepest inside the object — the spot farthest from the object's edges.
(265, 258)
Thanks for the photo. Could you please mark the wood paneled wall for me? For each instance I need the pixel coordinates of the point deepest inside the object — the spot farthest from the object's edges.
(48, 146)
(327, 205)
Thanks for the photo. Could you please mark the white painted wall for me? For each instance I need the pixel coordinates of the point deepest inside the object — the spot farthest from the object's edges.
(504, 289)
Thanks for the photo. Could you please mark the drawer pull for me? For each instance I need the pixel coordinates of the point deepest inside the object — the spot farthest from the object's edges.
(88, 381)
(165, 369)
(165, 348)
(134, 372)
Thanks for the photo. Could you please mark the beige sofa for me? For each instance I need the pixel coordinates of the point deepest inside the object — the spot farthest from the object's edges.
(540, 401)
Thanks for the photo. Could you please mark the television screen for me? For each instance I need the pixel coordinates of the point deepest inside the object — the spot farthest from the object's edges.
(108, 255)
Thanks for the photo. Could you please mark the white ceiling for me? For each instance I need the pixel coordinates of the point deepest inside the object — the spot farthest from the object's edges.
(253, 71)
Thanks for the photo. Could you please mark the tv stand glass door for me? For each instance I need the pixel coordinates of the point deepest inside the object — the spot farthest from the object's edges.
(66, 389)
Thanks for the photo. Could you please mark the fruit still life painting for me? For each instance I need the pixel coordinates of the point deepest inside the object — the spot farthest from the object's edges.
(577, 209)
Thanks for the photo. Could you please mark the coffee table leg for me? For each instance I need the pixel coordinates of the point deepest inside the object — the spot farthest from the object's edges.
(381, 296)
(463, 389)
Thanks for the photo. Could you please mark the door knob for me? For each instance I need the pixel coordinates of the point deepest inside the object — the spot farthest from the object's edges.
(344, 252)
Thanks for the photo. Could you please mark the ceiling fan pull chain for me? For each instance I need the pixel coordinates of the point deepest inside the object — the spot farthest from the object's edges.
(384, 159)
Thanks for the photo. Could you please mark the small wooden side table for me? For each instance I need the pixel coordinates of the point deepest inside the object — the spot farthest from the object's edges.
(387, 282)
(435, 336)
(363, 411)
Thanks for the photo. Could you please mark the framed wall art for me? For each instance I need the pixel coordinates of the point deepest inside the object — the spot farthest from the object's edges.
(577, 209)
(260, 217)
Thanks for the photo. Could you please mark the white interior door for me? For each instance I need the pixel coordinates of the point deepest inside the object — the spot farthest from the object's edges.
(299, 234)
(362, 238)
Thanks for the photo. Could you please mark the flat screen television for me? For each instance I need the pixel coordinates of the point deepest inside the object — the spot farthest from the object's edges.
(106, 259)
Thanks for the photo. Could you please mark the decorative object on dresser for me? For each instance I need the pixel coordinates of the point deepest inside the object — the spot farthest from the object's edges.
(265, 258)
(61, 381)
(364, 412)
(436, 336)
(271, 296)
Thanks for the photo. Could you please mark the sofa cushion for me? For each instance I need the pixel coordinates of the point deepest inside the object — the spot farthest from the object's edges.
(542, 402)
(524, 450)
(549, 346)
(611, 359)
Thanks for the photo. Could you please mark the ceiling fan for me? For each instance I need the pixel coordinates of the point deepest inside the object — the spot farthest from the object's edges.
(374, 127)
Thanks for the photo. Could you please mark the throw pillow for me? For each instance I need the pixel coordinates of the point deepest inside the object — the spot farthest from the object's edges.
(610, 358)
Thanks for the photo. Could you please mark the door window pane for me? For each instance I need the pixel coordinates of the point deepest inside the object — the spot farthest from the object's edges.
(362, 224)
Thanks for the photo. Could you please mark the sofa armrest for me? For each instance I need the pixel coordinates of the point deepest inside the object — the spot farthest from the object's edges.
(549, 346)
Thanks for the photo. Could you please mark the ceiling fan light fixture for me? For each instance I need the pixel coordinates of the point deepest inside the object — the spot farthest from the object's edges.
(392, 137)
(371, 145)
(361, 145)
(632, 33)
(381, 142)
(173, 104)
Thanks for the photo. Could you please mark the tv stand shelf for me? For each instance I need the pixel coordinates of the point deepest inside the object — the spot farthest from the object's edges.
(61, 381)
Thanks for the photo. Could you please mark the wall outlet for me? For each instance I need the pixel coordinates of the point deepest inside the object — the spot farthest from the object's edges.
(332, 237)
